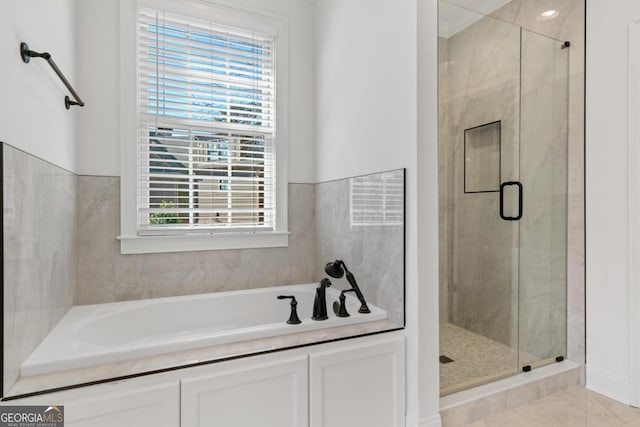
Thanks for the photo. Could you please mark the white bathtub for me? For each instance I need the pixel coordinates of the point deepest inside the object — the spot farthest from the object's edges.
(98, 334)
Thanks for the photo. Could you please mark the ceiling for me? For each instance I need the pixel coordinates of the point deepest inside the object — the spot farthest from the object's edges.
(456, 15)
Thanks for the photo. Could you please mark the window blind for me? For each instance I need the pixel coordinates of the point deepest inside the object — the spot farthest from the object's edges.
(206, 139)
(377, 199)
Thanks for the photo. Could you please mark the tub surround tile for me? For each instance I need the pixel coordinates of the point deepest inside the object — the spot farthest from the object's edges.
(184, 358)
(96, 272)
(373, 253)
(202, 276)
(104, 275)
(98, 211)
(39, 251)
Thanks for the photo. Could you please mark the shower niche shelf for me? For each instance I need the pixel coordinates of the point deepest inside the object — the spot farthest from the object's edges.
(482, 158)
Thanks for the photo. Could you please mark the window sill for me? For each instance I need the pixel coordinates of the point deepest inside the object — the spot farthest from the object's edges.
(202, 242)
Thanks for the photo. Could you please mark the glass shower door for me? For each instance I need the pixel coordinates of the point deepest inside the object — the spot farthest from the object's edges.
(543, 171)
(479, 97)
(503, 133)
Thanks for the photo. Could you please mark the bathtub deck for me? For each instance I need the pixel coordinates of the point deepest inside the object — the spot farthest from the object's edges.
(149, 365)
(94, 335)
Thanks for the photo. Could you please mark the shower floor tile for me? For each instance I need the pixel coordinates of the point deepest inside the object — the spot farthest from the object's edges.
(476, 359)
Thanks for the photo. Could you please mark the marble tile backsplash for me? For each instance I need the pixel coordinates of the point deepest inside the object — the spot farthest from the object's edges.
(61, 249)
(104, 275)
(320, 232)
(39, 218)
(373, 253)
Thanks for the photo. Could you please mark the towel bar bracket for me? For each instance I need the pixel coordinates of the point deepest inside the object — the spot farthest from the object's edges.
(26, 54)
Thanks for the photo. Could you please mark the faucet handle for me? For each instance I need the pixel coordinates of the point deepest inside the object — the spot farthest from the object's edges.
(325, 283)
(341, 308)
(293, 318)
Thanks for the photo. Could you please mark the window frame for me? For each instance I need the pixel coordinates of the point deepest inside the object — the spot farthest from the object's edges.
(131, 242)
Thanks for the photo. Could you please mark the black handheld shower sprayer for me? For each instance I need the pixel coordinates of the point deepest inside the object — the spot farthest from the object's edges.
(337, 269)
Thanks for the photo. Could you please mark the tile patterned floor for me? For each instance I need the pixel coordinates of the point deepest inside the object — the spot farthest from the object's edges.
(477, 359)
(576, 407)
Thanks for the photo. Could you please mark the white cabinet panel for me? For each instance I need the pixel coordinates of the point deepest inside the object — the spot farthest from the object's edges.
(358, 386)
(123, 404)
(250, 394)
(356, 383)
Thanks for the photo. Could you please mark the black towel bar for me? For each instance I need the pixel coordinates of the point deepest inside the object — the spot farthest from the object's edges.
(27, 54)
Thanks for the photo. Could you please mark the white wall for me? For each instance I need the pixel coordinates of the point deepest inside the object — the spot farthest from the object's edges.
(367, 121)
(34, 117)
(99, 123)
(98, 127)
(365, 86)
(606, 196)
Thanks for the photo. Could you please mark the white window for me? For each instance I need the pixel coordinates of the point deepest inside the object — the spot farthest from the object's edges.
(377, 199)
(209, 144)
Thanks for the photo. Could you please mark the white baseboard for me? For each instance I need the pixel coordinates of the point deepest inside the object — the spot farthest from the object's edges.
(609, 385)
(425, 422)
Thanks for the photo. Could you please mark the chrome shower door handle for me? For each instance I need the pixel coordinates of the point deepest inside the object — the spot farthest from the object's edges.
(520, 205)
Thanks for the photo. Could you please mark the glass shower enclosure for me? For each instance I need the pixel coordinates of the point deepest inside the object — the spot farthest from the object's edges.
(503, 132)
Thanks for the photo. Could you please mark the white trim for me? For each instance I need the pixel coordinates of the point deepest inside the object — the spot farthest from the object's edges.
(128, 116)
(271, 24)
(616, 388)
(202, 242)
(634, 214)
(433, 421)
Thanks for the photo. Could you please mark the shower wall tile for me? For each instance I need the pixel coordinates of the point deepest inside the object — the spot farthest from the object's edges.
(482, 87)
(570, 26)
(464, 77)
(576, 226)
(543, 230)
(445, 165)
(373, 253)
(104, 275)
(39, 219)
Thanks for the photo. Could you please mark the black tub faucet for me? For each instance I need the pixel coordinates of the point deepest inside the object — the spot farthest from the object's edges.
(337, 269)
(293, 318)
(320, 303)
